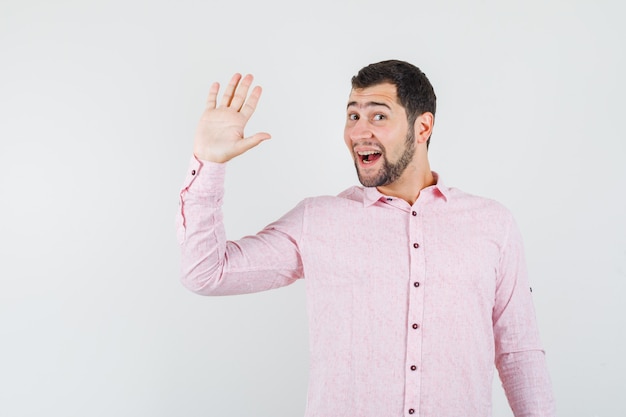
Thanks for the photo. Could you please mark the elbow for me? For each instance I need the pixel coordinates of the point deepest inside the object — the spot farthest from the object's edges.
(200, 280)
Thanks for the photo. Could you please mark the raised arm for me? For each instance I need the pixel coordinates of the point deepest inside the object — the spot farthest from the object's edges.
(210, 264)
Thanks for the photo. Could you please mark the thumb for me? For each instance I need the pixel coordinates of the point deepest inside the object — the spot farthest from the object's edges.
(252, 141)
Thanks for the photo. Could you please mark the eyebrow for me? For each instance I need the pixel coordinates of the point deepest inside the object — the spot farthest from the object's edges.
(368, 104)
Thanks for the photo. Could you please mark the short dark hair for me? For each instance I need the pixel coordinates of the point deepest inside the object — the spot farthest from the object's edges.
(414, 91)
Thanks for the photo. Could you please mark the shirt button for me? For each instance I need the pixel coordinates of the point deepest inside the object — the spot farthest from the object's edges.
(414, 213)
(411, 411)
(415, 326)
(413, 367)
(389, 199)
(193, 172)
(416, 284)
(416, 245)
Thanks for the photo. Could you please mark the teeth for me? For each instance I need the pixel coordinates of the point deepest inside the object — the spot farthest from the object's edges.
(367, 153)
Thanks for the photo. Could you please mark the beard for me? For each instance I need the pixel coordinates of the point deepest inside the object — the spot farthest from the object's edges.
(390, 171)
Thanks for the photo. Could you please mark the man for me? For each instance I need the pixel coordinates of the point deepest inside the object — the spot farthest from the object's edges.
(414, 289)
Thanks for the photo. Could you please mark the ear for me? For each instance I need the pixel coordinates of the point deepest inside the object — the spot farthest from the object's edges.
(424, 126)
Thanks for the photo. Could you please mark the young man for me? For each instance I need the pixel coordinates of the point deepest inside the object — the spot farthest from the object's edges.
(414, 288)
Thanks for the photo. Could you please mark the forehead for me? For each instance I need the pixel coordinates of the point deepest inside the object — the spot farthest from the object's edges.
(384, 93)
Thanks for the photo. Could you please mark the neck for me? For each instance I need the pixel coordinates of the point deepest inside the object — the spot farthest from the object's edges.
(408, 187)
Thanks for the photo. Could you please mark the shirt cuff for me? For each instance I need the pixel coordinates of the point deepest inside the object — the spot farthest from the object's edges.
(204, 177)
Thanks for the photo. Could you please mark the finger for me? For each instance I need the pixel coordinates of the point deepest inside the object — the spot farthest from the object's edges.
(242, 92)
(230, 90)
(251, 102)
(252, 141)
(211, 100)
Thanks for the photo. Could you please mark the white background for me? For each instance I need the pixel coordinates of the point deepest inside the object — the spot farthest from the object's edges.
(98, 105)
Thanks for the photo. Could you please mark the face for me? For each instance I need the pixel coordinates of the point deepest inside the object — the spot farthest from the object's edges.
(378, 135)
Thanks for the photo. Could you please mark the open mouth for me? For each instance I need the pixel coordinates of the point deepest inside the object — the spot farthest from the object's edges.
(368, 157)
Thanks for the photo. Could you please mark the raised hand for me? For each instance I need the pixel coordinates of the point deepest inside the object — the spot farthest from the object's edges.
(220, 134)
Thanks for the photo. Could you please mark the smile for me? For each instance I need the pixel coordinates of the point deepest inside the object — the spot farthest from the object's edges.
(368, 157)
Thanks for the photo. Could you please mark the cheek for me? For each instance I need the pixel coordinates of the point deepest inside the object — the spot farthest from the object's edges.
(346, 138)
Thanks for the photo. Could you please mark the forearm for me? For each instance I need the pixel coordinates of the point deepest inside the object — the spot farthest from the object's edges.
(212, 265)
(199, 227)
(527, 384)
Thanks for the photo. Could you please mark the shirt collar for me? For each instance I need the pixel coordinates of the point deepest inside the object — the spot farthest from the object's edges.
(438, 190)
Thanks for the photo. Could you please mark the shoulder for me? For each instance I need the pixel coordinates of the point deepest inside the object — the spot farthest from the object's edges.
(354, 193)
(464, 201)
(326, 205)
(477, 214)
(348, 196)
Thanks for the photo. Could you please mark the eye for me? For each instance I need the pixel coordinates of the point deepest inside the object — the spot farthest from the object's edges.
(353, 116)
(378, 117)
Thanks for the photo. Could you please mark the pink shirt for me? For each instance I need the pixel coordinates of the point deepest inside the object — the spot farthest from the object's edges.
(409, 306)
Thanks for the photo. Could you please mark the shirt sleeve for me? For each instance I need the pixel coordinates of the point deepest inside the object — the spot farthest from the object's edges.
(520, 358)
(212, 265)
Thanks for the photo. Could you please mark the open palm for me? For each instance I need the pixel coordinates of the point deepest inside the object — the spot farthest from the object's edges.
(220, 133)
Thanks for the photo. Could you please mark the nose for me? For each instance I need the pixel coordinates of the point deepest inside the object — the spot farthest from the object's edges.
(359, 130)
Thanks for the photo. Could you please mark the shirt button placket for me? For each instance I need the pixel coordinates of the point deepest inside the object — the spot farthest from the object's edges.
(415, 314)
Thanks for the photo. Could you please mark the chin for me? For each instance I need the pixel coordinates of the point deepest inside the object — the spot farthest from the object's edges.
(369, 181)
